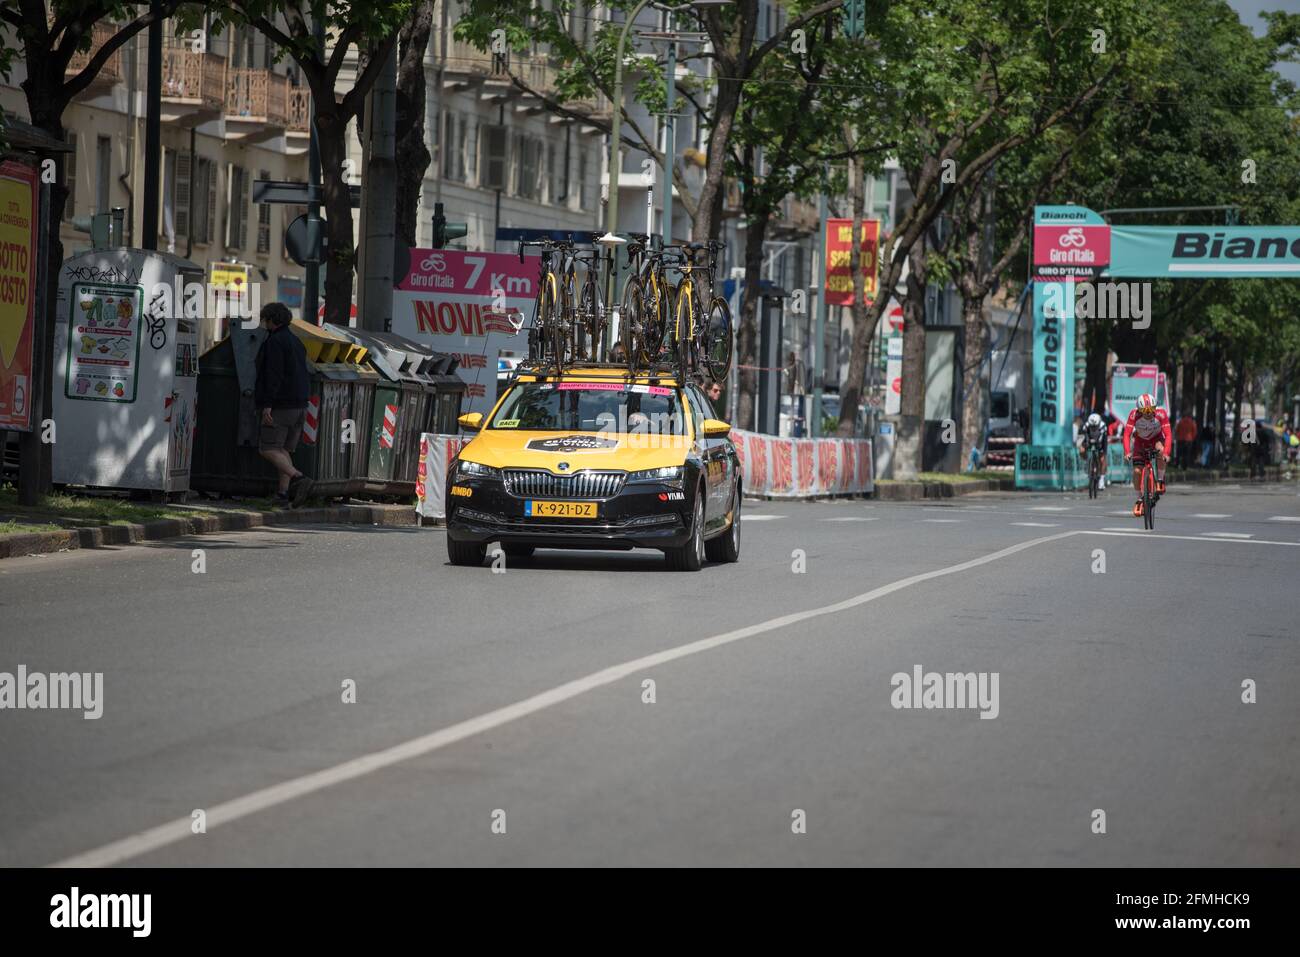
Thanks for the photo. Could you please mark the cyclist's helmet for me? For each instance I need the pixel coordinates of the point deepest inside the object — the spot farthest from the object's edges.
(1146, 404)
(1094, 421)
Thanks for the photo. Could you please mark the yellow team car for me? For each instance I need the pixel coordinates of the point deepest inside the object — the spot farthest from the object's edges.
(596, 458)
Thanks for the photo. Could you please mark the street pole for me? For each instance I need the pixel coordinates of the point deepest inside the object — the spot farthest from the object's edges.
(670, 141)
(34, 454)
(152, 130)
(379, 197)
(311, 272)
(819, 337)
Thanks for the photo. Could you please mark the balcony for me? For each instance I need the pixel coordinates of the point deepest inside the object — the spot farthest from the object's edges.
(193, 86)
(109, 74)
(298, 131)
(257, 104)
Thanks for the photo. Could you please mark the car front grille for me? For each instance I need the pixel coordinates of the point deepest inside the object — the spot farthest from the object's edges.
(538, 483)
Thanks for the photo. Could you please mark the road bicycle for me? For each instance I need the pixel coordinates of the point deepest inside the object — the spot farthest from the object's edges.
(589, 315)
(1150, 491)
(647, 303)
(1096, 469)
(548, 333)
(702, 329)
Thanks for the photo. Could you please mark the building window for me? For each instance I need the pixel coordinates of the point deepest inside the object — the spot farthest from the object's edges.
(456, 128)
(203, 214)
(496, 157)
(528, 167)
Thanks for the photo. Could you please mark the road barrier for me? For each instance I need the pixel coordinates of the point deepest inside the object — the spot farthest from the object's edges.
(782, 467)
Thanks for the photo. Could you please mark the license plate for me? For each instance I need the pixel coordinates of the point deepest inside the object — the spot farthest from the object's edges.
(539, 509)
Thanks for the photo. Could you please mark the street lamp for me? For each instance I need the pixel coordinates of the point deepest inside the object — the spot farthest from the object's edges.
(615, 137)
(611, 239)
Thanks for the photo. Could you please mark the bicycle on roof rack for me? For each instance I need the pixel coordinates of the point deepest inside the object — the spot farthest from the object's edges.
(647, 301)
(701, 337)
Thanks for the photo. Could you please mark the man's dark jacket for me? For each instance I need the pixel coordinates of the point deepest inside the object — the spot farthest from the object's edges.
(281, 372)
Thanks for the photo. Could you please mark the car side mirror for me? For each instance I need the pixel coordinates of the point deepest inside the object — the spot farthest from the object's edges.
(716, 429)
(471, 421)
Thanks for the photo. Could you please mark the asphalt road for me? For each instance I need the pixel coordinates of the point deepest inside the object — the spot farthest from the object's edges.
(517, 699)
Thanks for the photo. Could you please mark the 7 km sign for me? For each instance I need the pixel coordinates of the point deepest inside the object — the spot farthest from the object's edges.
(470, 304)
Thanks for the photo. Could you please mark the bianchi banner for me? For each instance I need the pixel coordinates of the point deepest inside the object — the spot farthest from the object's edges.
(1058, 467)
(1202, 252)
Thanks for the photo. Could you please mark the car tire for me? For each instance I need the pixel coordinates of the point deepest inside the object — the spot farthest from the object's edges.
(690, 557)
(465, 553)
(518, 551)
(726, 547)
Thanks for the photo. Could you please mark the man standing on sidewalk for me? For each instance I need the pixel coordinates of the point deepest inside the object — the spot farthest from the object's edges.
(281, 397)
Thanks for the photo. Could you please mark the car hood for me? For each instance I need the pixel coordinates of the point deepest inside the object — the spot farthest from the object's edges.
(501, 448)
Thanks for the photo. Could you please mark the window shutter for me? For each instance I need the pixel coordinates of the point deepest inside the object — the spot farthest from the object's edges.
(264, 221)
(181, 194)
(209, 228)
(245, 206)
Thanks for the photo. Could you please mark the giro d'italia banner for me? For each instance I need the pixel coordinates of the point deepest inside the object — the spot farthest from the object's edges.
(473, 305)
(797, 468)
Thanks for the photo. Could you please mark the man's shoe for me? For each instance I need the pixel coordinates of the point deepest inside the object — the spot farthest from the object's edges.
(282, 500)
(299, 489)
(1137, 510)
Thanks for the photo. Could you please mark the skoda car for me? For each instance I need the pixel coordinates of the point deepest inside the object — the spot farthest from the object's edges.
(596, 458)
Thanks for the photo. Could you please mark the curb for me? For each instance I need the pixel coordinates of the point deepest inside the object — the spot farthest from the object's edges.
(44, 543)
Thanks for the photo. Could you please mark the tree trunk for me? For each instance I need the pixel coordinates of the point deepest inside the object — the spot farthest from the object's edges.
(413, 157)
(708, 222)
(911, 424)
(858, 308)
(331, 134)
(747, 334)
(975, 335)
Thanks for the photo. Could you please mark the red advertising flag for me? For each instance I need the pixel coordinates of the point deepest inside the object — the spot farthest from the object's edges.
(839, 249)
(18, 209)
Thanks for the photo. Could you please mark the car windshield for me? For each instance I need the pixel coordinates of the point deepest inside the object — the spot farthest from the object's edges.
(591, 407)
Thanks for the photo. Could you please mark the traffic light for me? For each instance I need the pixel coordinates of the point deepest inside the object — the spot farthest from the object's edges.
(855, 18)
(443, 230)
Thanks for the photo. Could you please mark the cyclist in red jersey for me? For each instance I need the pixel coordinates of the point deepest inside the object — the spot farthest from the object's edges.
(1147, 433)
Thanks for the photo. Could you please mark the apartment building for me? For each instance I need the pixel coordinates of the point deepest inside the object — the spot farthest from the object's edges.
(229, 115)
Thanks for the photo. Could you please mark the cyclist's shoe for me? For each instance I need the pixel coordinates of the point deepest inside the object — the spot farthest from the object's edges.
(1160, 487)
(1137, 509)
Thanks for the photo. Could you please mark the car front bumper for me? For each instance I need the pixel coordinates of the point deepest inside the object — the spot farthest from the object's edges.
(640, 516)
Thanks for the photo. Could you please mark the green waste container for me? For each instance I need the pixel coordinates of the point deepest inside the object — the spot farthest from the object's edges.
(409, 400)
(332, 450)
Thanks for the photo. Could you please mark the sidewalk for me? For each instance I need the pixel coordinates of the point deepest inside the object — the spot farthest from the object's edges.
(207, 518)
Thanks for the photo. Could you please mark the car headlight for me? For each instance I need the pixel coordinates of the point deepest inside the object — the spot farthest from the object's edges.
(475, 470)
(669, 475)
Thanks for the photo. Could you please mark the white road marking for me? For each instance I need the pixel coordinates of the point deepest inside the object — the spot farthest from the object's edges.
(1117, 529)
(941, 519)
(1049, 508)
(762, 518)
(1285, 518)
(1211, 515)
(178, 830)
(853, 518)
(1037, 524)
(1228, 535)
(1190, 538)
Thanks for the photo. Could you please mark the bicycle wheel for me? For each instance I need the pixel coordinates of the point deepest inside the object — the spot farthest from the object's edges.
(683, 328)
(1148, 496)
(716, 336)
(631, 322)
(538, 335)
(591, 324)
(657, 308)
(562, 330)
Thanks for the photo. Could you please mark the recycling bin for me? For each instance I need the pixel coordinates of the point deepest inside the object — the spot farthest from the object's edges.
(408, 399)
(332, 450)
(125, 369)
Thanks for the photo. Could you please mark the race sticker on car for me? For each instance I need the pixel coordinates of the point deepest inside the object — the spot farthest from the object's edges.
(507, 423)
(542, 509)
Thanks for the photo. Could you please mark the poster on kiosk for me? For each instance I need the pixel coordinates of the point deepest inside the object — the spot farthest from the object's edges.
(126, 370)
